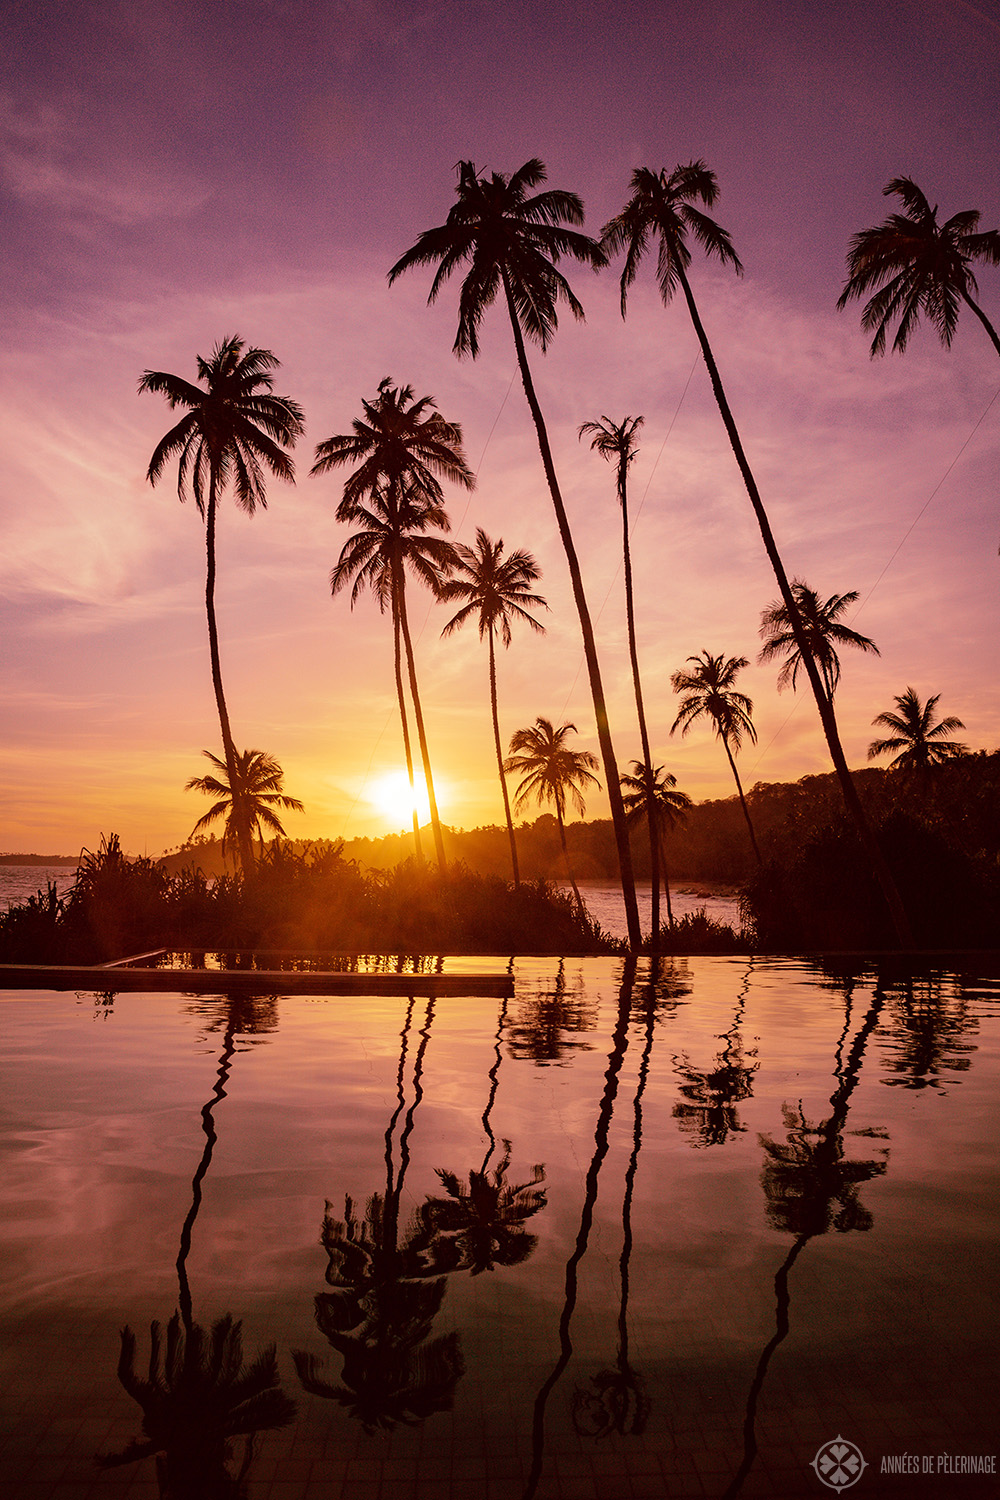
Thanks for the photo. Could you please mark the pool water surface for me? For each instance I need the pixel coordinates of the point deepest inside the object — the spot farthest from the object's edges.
(722, 1227)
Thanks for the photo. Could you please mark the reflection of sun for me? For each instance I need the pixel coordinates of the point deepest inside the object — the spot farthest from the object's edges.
(391, 795)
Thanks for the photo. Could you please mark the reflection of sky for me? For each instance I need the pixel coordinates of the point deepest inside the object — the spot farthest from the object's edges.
(176, 172)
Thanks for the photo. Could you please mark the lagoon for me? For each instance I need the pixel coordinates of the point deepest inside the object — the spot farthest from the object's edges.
(668, 1230)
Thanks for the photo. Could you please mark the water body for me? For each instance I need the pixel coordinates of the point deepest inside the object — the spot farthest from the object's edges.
(603, 899)
(19, 882)
(663, 1231)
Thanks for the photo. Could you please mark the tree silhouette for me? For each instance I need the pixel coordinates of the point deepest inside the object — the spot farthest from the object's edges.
(709, 693)
(649, 793)
(259, 780)
(402, 449)
(233, 431)
(664, 207)
(512, 243)
(495, 590)
(917, 741)
(821, 622)
(551, 772)
(913, 265)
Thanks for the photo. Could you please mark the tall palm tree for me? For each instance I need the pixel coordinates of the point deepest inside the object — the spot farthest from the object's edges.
(259, 779)
(403, 448)
(495, 590)
(823, 629)
(233, 430)
(512, 242)
(664, 207)
(650, 793)
(710, 694)
(915, 737)
(913, 265)
(616, 441)
(391, 540)
(551, 772)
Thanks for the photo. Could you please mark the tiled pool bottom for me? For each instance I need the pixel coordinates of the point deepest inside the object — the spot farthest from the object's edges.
(610, 1238)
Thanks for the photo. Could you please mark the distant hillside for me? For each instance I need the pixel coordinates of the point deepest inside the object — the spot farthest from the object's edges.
(40, 859)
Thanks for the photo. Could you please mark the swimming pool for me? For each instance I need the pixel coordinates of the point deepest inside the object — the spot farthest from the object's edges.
(723, 1227)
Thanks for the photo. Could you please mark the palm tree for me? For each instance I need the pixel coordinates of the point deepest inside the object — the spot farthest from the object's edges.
(403, 448)
(711, 695)
(915, 736)
(391, 540)
(496, 590)
(824, 632)
(913, 265)
(552, 772)
(665, 207)
(649, 793)
(234, 429)
(513, 242)
(258, 783)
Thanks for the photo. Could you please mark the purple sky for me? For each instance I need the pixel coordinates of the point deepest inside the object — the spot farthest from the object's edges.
(173, 173)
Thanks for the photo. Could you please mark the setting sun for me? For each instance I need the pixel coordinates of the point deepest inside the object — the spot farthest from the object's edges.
(392, 796)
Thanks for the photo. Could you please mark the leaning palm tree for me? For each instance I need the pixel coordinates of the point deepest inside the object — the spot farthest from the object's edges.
(914, 265)
(551, 772)
(392, 540)
(512, 242)
(664, 207)
(259, 779)
(917, 741)
(650, 795)
(495, 590)
(234, 429)
(403, 448)
(710, 694)
(824, 632)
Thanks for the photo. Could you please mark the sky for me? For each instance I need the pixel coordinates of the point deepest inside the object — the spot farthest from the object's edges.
(174, 173)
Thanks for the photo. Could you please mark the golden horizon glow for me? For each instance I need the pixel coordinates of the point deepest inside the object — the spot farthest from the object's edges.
(392, 796)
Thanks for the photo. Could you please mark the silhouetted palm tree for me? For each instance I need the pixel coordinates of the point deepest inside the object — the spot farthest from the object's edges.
(824, 632)
(495, 590)
(916, 739)
(512, 243)
(649, 793)
(710, 694)
(258, 786)
(551, 772)
(913, 265)
(665, 208)
(233, 431)
(403, 448)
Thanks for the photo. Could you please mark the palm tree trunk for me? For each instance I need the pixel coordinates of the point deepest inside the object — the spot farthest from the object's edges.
(569, 869)
(401, 700)
(244, 843)
(743, 800)
(983, 319)
(421, 736)
(640, 711)
(877, 859)
(664, 875)
(499, 749)
(589, 644)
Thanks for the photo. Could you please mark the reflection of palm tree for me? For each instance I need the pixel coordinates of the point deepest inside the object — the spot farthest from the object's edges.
(259, 780)
(402, 449)
(496, 590)
(649, 793)
(512, 243)
(914, 265)
(234, 430)
(480, 1225)
(915, 737)
(708, 1111)
(665, 208)
(710, 693)
(551, 1021)
(928, 1035)
(823, 629)
(550, 772)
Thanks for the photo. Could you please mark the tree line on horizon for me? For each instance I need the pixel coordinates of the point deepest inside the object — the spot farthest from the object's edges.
(508, 239)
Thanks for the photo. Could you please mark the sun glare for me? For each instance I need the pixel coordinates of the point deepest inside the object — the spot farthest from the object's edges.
(391, 795)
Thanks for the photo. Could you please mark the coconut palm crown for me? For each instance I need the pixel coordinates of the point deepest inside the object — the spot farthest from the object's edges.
(709, 693)
(918, 742)
(824, 631)
(912, 265)
(259, 784)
